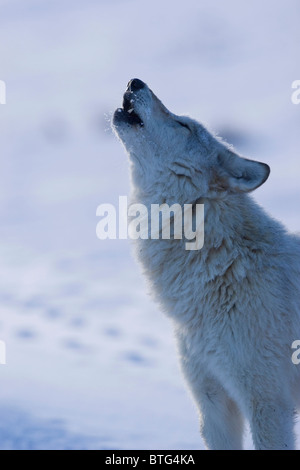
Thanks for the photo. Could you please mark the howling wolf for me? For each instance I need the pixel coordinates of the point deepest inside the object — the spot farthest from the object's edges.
(235, 304)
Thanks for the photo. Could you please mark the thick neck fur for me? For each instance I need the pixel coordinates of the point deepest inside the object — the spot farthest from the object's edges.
(236, 228)
(234, 219)
(238, 219)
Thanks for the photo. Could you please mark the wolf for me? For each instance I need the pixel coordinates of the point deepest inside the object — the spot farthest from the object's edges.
(234, 303)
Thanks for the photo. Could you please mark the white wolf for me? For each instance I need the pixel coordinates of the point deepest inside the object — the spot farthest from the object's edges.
(235, 303)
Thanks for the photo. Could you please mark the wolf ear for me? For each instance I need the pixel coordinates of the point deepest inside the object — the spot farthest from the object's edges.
(239, 174)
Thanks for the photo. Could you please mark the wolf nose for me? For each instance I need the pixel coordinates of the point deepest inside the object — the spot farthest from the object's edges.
(135, 84)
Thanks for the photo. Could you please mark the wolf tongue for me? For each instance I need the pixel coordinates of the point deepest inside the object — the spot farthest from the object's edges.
(132, 116)
(126, 102)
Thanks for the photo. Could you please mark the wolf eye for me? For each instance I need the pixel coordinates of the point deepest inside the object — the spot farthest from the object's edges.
(183, 125)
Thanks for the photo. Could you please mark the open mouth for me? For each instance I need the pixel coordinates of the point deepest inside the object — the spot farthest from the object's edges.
(127, 113)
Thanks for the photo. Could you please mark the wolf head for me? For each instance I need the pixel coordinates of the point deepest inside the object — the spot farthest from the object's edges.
(174, 158)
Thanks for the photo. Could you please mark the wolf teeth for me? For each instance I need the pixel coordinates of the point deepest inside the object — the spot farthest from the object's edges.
(130, 111)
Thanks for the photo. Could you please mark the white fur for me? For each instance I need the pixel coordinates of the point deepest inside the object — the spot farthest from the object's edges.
(235, 304)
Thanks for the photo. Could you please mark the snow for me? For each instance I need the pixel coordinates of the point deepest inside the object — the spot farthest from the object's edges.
(91, 361)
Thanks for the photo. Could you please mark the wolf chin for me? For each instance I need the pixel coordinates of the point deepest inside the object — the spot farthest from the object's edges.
(234, 303)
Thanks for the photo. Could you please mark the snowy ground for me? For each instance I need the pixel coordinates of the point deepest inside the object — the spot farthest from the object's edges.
(91, 362)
